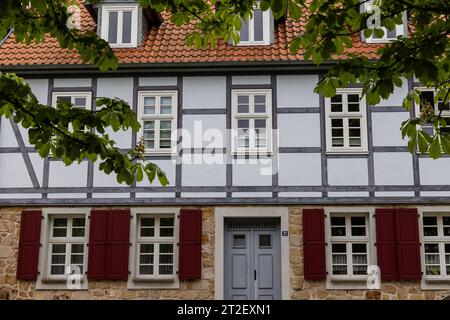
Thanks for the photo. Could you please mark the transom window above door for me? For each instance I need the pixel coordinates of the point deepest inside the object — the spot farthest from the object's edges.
(346, 122)
(158, 116)
(119, 25)
(251, 124)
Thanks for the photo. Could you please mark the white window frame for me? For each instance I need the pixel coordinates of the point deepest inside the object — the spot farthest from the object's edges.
(45, 280)
(73, 95)
(430, 282)
(349, 282)
(444, 114)
(251, 116)
(266, 17)
(345, 115)
(157, 118)
(400, 29)
(104, 32)
(136, 281)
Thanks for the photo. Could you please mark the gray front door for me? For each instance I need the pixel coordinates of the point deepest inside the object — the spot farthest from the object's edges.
(252, 260)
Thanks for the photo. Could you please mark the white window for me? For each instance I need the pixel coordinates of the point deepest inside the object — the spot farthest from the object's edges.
(158, 116)
(81, 100)
(119, 25)
(256, 30)
(252, 121)
(67, 244)
(346, 122)
(436, 245)
(388, 35)
(350, 247)
(155, 247)
(428, 97)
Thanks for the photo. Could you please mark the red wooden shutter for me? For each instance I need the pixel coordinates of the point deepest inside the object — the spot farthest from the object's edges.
(190, 250)
(119, 244)
(408, 244)
(30, 234)
(98, 244)
(314, 244)
(387, 243)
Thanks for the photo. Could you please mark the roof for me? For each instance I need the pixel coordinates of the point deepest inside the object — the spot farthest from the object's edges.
(166, 45)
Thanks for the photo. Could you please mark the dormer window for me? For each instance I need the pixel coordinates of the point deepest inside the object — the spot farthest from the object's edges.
(257, 30)
(388, 35)
(120, 25)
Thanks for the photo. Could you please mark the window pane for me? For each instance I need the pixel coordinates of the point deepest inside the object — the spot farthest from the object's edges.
(265, 241)
(147, 227)
(166, 248)
(166, 221)
(431, 248)
(59, 248)
(426, 98)
(391, 34)
(149, 125)
(146, 269)
(166, 105)
(358, 221)
(146, 248)
(78, 232)
(58, 259)
(57, 270)
(59, 227)
(166, 259)
(239, 241)
(60, 222)
(338, 226)
(358, 226)
(126, 27)
(336, 103)
(243, 104)
(339, 248)
(165, 269)
(166, 232)
(353, 102)
(146, 259)
(112, 27)
(76, 259)
(430, 231)
(258, 25)
(338, 221)
(80, 102)
(244, 31)
(77, 248)
(64, 99)
(165, 125)
(260, 104)
(433, 270)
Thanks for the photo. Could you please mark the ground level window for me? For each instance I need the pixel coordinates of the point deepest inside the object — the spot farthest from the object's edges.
(155, 247)
(436, 248)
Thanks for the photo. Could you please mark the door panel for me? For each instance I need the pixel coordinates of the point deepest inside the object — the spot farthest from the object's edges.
(252, 261)
(237, 265)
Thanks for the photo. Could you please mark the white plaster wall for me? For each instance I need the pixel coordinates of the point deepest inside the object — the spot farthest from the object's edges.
(204, 131)
(203, 174)
(68, 83)
(299, 130)
(39, 87)
(158, 81)
(102, 179)
(394, 194)
(7, 137)
(13, 171)
(61, 175)
(386, 128)
(251, 79)
(347, 172)
(302, 169)
(393, 168)
(252, 194)
(168, 166)
(203, 194)
(396, 99)
(297, 91)
(204, 92)
(300, 194)
(347, 194)
(117, 88)
(252, 172)
(38, 165)
(435, 172)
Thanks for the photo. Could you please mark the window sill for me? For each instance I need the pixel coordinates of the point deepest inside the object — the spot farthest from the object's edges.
(346, 283)
(380, 41)
(356, 152)
(440, 283)
(155, 283)
(158, 279)
(59, 284)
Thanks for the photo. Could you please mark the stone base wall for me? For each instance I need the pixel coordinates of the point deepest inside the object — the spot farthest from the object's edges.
(10, 288)
(302, 289)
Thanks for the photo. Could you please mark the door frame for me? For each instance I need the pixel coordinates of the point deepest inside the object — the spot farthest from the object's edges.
(250, 212)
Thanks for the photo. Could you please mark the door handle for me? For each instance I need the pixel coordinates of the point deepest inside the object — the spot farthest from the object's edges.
(254, 273)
